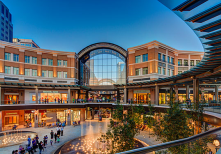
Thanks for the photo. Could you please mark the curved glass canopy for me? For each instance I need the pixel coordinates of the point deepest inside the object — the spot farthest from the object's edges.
(102, 67)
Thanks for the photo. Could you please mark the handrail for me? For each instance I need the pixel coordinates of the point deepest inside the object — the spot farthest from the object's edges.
(161, 146)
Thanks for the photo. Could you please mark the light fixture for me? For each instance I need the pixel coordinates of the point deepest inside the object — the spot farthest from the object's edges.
(216, 143)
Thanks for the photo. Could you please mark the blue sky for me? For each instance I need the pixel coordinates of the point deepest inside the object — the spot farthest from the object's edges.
(71, 25)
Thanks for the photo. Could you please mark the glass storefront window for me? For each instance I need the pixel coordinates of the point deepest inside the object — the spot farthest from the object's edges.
(182, 98)
(141, 98)
(162, 98)
(53, 97)
(11, 120)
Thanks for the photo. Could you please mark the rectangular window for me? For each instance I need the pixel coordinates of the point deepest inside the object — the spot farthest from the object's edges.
(137, 71)
(15, 70)
(65, 74)
(145, 57)
(137, 59)
(6, 13)
(179, 62)
(7, 56)
(168, 72)
(164, 71)
(65, 63)
(164, 58)
(197, 61)
(34, 72)
(27, 59)
(27, 72)
(59, 74)
(159, 70)
(59, 62)
(50, 62)
(50, 74)
(159, 56)
(192, 63)
(34, 60)
(172, 73)
(44, 73)
(7, 70)
(15, 57)
(168, 59)
(44, 61)
(3, 10)
(185, 62)
(145, 70)
(172, 60)
(10, 17)
(179, 72)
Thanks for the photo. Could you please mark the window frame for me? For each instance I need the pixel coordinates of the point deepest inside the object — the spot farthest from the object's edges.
(7, 56)
(44, 61)
(49, 62)
(137, 69)
(34, 60)
(44, 72)
(16, 57)
(49, 72)
(137, 60)
(27, 70)
(33, 71)
(27, 59)
(17, 70)
(65, 63)
(145, 70)
(145, 57)
(8, 68)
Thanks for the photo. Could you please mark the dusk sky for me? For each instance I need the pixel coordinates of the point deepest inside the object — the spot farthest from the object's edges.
(71, 25)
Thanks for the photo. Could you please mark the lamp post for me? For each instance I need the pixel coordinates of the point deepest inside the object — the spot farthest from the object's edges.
(216, 143)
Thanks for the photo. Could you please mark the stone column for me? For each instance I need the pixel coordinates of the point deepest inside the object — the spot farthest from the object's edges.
(36, 116)
(86, 97)
(187, 91)
(196, 90)
(202, 93)
(69, 94)
(217, 93)
(0, 121)
(176, 95)
(156, 95)
(171, 94)
(118, 95)
(1, 95)
(36, 93)
(82, 115)
(125, 95)
(69, 117)
(92, 113)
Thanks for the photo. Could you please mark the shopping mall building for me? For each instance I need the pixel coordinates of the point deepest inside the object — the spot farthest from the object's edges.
(56, 85)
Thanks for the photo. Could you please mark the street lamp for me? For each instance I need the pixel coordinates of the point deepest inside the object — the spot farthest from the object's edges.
(216, 143)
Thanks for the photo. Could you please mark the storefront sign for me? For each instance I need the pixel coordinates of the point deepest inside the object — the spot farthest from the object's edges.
(50, 91)
(12, 113)
(141, 91)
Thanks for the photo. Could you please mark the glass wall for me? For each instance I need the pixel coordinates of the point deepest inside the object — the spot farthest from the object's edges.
(102, 67)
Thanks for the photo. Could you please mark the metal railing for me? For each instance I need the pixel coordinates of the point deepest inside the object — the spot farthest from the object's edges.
(171, 143)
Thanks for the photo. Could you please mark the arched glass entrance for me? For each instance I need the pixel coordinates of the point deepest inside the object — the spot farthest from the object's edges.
(102, 67)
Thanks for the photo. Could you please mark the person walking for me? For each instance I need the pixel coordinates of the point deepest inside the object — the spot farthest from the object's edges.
(36, 138)
(29, 141)
(34, 144)
(40, 147)
(55, 137)
(62, 130)
(55, 100)
(58, 131)
(46, 139)
(45, 100)
(52, 134)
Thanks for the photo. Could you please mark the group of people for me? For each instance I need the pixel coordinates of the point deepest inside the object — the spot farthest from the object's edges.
(46, 101)
(76, 123)
(34, 144)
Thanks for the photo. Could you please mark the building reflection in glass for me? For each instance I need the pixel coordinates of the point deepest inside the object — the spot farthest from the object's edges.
(102, 67)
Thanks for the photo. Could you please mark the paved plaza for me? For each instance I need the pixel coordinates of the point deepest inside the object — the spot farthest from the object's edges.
(70, 132)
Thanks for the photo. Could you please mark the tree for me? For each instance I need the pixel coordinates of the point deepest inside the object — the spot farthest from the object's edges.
(124, 126)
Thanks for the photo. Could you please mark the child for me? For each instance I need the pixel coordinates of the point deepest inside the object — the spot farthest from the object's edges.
(58, 140)
(51, 141)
